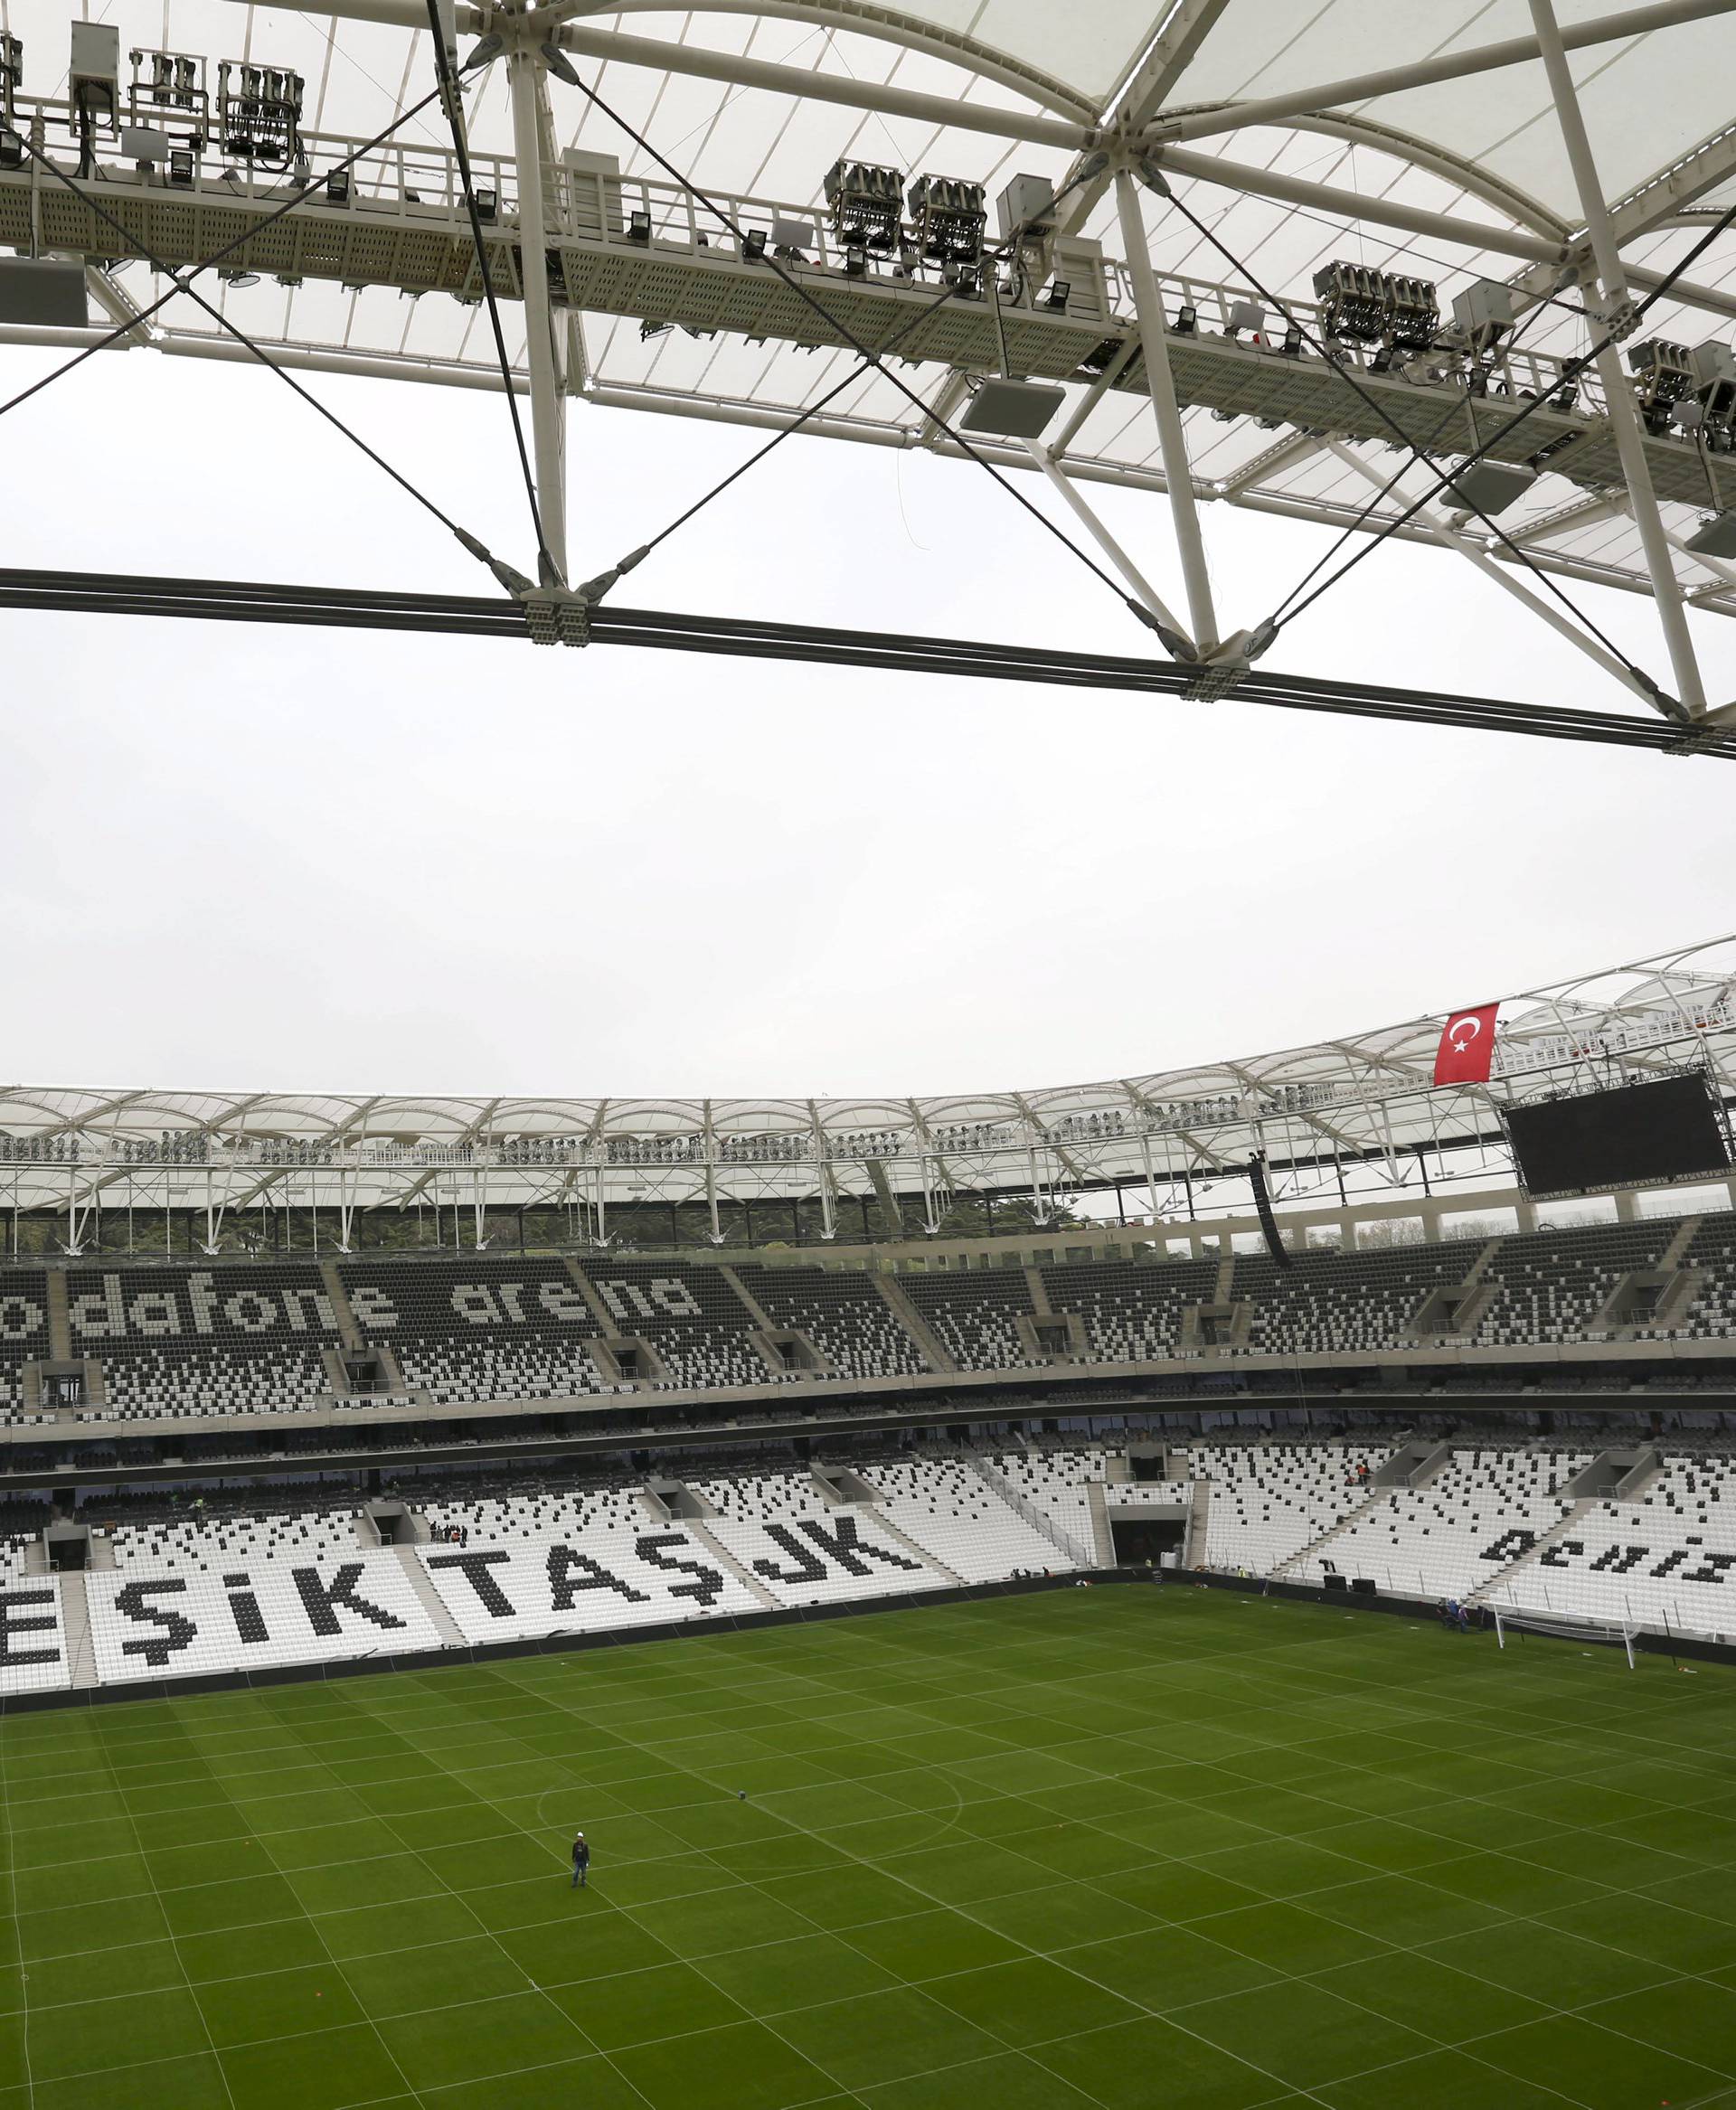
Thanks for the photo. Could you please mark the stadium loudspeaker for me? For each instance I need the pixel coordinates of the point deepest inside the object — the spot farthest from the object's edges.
(1363, 1584)
(1334, 1582)
(1263, 1204)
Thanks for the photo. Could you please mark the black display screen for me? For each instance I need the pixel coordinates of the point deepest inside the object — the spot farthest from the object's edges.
(1661, 1130)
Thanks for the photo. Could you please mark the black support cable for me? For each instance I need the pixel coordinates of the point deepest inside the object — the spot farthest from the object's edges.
(874, 359)
(795, 426)
(1373, 402)
(1571, 371)
(184, 285)
(448, 90)
(1348, 533)
(179, 280)
(235, 600)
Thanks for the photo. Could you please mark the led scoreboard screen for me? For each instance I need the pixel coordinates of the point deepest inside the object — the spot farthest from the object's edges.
(1660, 1130)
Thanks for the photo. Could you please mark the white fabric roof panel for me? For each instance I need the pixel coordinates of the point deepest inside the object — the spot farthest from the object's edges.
(1646, 99)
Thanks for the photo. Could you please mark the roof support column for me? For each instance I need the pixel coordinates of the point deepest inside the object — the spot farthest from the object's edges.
(1172, 440)
(1144, 592)
(1450, 539)
(544, 350)
(1623, 415)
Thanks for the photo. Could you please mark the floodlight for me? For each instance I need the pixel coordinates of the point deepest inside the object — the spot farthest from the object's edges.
(753, 246)
(181, 165)
(1715, 537)
(238, 277)
(647, 330)
(1057, 296)
(258, 112)
(1352, 301)
(855, 259)
(638, 225)
(12, 150)
(12, 70)
(338, 187)
(947, 219)
(865, 204)
(487, 204)
(1188, 320)
(484, 48)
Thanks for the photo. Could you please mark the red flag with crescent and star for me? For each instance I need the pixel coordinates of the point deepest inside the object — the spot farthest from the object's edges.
(1466, 1046)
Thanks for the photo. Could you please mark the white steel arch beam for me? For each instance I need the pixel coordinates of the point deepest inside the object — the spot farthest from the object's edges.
(807, 86)
(890, 25)
(1071, 126)
(1330, 95)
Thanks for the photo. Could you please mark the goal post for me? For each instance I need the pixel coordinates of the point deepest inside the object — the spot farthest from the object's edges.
(1599, 1633)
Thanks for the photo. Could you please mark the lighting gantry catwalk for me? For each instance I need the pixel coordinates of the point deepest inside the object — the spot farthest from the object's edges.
(1386, 271)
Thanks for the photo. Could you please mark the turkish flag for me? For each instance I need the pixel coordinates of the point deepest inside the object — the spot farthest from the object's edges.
(1466, 1046)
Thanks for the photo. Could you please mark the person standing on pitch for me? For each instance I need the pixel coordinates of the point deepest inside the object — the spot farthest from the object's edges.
(580, 1862)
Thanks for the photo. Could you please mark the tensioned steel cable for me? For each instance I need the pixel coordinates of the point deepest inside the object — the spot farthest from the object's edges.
(789, 431)
(180, 280)
(568, 74)
(1571, 371)
(449, 92)
(234, 601)
(1373, 402)
(468, 540)
(1369, 510)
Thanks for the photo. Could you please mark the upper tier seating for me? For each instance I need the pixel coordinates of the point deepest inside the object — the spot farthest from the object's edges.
(700, 1329)
(1269, 1501)
(1666, 1561)
(843, 1314)
(178, 1343)
(23, 1329)
(971, 1315)
(1132, 1311)
(1455, 1534)
(174, 1342)
(479, 1328)
(1328, 1302)
(1554, 1284)
(949, 1512)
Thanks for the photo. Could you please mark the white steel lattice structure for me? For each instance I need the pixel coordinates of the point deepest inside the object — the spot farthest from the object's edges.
(1571, 154)
(1363, 1103)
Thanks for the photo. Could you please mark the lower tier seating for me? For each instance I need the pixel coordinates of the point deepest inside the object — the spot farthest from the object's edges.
(949, 1512)
(1453, 1536)
(1665, 1559)
(1269, 1501)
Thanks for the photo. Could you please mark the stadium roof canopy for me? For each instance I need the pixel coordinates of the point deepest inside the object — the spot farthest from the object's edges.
(1362, 1105)
(1243, 144)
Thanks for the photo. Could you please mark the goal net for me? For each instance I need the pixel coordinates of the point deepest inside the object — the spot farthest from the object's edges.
(1590, 1633)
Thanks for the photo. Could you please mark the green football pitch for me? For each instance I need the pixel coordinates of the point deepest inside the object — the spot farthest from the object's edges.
(1122, 1847)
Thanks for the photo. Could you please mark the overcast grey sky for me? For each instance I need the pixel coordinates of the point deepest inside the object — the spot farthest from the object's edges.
(249, 857)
